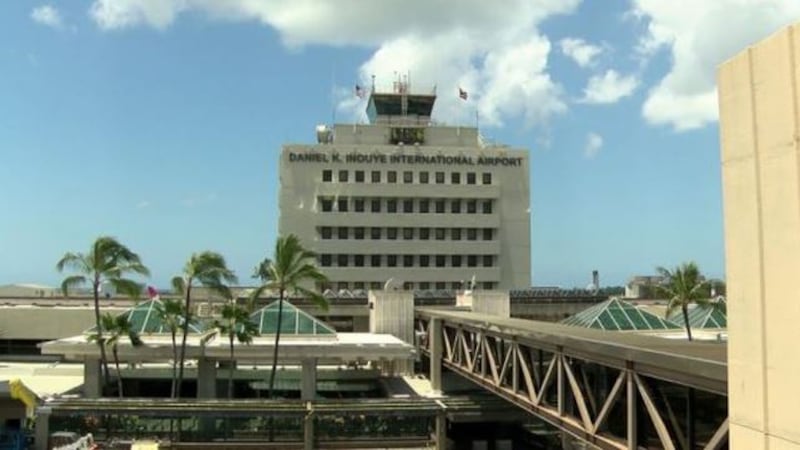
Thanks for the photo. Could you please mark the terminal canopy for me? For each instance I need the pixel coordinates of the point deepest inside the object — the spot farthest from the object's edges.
(710, 315)
(618, 315)
(295, 321)
(145, 319)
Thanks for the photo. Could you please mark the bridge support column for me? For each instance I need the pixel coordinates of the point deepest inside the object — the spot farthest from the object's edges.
(308, 429)
(207, 378)
(92, 378)
(308, 384)
(42, 429)
(441, 430)
(631, 400)
(435, 339)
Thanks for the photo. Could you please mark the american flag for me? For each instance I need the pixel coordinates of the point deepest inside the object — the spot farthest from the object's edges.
(462, 94)
(359, 91)
(152, 293)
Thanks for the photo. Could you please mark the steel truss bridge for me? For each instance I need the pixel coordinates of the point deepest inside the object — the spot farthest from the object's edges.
(612, 389)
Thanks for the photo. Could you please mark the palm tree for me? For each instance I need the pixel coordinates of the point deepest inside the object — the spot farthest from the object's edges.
(682, 286)
(209, 270)
(236, 324)
(117, 328)
(292, 268)
(170, 313)
(107, 261)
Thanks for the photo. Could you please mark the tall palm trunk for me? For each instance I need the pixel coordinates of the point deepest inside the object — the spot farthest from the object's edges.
(172, 392)
(100, 341)
(230, 368)
(116, 365)
(277, 342)
(685, 310)
(185, 331)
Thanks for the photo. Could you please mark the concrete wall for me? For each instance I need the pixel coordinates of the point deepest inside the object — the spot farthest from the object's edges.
(393, 313)
(33, 322)
(758, 96)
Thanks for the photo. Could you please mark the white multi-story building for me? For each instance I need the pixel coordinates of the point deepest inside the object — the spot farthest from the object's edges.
(401, 198)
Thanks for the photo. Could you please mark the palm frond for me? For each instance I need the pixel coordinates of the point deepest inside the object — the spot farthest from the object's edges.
(72, 282)
(178, 285)
(127, 287)
(73, 261)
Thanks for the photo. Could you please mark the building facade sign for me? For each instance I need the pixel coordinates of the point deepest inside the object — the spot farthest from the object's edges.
(380, 158)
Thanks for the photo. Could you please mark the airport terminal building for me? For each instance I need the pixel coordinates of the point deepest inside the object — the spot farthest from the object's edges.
(402, 198)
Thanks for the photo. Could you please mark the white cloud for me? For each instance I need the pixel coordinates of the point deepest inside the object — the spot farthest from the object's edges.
(48, 16)
(594, 142)
(580, 51)
(699, 36)
(609, 87)
(497, 54)
(143, 204)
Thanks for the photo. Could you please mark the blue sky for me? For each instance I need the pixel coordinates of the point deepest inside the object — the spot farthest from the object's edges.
(160, 123)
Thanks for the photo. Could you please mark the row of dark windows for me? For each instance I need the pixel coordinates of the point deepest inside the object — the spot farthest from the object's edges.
(407, 205)
(408, 285)
(407, 233)
(328, 260)
(407, 177)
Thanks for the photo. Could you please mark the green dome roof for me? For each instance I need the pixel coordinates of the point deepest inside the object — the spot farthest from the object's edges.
(619, 315)
(295, 321)
(145, 319)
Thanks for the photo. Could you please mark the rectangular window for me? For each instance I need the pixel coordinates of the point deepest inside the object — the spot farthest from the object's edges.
(375, 285)
(472, 234)
(326, 232)
(424, 206)
(487, 234)
(455, 178)
(375, 260)
(358, 233)
(326, 204)
(358, 260)
(408, 234)
(424, 234)
(327, 175)
(455, 285)
(359, 176)
(471, 177)
(391, 205)
(424, 285)
(376, 205)
(375, 176)
(472, 207)
(455, 260)
(423, 178)
(408, 206)
(408, 177)
(455, 234)
(472, 260)
(358, 205)
(325, 260)
(391, 260)
(487, 260)
(342, 285)
(440, 260)
(391, 176)
(424, 260)
(487, 207)
(439, 206)
(455, 206)
(439, 177)
(408, 260)
(487, 178)
(440, 285)
(391, 233)
(375, 233)
(343, 175)
(488, 285)
(408, 286)
(440, 234)
(342, 260)
(342, 205)
(342, 232)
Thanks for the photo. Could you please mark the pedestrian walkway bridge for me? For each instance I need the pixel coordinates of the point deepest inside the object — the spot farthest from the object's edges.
(615, 390)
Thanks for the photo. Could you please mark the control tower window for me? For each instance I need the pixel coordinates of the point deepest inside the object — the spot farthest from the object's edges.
(470, 177)
(327, 175)
(391, 176)
(343, 176)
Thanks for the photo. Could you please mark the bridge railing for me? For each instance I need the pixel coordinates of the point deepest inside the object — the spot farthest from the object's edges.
(605, 388)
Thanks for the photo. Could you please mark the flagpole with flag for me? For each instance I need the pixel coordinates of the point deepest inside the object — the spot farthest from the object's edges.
(464, 96)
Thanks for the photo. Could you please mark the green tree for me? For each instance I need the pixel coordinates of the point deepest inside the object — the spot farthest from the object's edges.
(107, 261)
(683, 286)
(293, 267)
(235, 324)
(171, 314)
(115, 328)
(207, 269)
